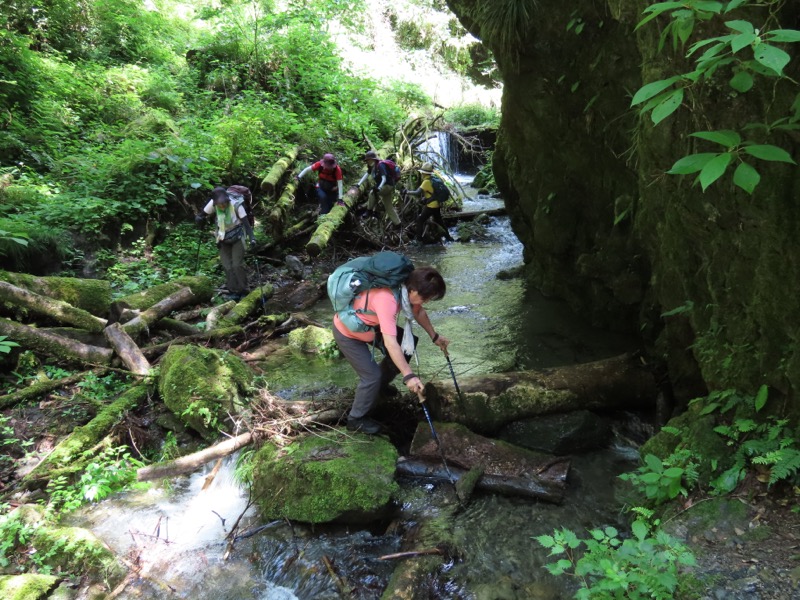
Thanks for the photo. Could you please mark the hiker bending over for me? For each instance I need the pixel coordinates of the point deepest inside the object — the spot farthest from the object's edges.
(384, 181)
(422, 285)
(329, 185)
(434, 192)
(232, 225)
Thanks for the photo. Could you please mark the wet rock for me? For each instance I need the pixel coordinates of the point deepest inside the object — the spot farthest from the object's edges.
(29, 586)
(311, 339)
(294, 266)
(566, 433)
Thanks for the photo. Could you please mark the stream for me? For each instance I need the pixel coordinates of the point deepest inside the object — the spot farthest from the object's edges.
(176, 532)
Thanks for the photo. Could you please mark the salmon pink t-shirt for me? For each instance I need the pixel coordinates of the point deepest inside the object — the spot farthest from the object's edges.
(386, 308)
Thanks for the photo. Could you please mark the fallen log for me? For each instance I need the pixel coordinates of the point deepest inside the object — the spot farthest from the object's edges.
(328, 224)
(271, 179)
(54, 345)
(127, 350)
(175, 326)
(282, 209)
(91, 295)
(202, 288)
(469, 215)
(216, 313)
(247, 306)
(487, 402)
(45, 306)
(156, 350)
(160, 309)
(43, 387)
(506, 468)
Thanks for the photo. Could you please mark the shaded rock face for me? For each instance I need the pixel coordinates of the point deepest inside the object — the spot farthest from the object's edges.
(607, 230)
(565, 433)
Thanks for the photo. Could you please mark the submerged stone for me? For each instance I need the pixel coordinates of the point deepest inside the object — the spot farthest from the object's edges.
(323, 478)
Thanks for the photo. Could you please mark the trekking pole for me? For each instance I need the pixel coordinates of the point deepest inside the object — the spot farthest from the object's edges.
(260, 287)
(455, 383)
(435, 437)
(197, 262)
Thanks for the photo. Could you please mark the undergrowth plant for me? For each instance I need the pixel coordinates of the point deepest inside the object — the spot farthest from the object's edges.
(660, 481)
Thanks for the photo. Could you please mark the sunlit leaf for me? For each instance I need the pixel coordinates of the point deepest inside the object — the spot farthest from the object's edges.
(746, 177)
(743, 40)
(724, 137)
(652, 89)
(783, 35)
(769, 152)
(714, 169)
(691, 164)
(771, 57)
(742, 81)
(668, 106)
(761, 397)
(741, 26)
(734, 4)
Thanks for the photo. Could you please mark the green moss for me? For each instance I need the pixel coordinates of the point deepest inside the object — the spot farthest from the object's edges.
(92, 295)
(29, 586)
(77, 551)
(310, 339)
(202, 288)
(247, 305)
(322, 478)
(203, 386)
(488, 413)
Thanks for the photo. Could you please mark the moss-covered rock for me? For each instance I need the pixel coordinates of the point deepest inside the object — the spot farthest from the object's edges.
(323, 478)
(311, 339)
(76, 550)
(29, 586)
(202, 386)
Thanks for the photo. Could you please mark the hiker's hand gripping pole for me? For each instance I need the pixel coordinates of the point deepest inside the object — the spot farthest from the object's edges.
(441, 342)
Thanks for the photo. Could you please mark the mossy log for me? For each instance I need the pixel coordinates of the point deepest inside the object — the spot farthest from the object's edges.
(91, 295)
(270, 182)
(216, 313)
(85, 437)
(160, 309)
(43, 387)
(281, 209)
(488, 402)
(202, 288)
(247, 306)
(174, 326)
(127, 350)
(152, 352)
(329, 223)
(54, 345)
(45, 306)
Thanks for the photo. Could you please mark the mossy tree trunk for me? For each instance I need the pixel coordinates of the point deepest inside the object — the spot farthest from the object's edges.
(279, 214)
(328, 224)
(91, 295)
(54, 345)
(160, 309)
(57, 310)
(127, 350)
(270, 182)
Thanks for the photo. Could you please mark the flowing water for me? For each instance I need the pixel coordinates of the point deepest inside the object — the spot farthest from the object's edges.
(176, 534)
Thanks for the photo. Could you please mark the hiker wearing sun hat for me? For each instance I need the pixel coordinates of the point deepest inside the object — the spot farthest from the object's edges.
(384, 174)
(330, 187)
(434, 192)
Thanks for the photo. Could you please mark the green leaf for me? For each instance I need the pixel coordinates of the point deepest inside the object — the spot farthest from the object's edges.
(639, 529)
(546, 540)
(734, 4)
(771, 57)
(714, 169)
(668, 106)
(761, 397)
(691, 164)
(657, 9)
(654, 463)
(746, 177)
(724, 137)
(741, 26)
(743, 40)
(714, 7)
(742, 81)
(783, 35)
(673, 472)
(769, 152)
(652, 89)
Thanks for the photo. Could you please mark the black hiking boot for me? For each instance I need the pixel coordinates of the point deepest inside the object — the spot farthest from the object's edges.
(364, 425)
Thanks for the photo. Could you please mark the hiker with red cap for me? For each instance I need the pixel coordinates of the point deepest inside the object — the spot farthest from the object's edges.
(330, 187)
(384, 177)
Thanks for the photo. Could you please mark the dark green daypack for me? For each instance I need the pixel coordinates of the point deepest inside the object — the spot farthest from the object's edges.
(381, 270)
(440, 191)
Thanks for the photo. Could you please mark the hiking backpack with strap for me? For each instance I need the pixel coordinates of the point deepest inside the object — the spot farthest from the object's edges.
(241, 196)
(440, 192)
(392, 171)
(382, 270)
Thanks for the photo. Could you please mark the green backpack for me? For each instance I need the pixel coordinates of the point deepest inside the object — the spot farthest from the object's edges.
(381, 270)
(440, 192)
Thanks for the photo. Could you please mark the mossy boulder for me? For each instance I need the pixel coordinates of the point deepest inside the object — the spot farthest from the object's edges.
(203, 386)
(30, 586)
(323, 478)
(311, 339)
(78, 551)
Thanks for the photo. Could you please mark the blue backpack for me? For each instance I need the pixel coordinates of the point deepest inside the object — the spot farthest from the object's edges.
(381, 270)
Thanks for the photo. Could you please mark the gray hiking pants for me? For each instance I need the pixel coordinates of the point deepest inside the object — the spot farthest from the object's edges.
(386, 197)
(372, 377)
(232, 258)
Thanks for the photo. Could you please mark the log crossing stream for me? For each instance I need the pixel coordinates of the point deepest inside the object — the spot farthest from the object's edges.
(176, 533)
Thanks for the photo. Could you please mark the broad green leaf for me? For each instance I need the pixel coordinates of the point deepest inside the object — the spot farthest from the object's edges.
(769, 152)
(654, 463)
(746, 177)
(639, 529)
(742, 82)
(743, 40)
(761, 397)
(724, 137)
(715, 7)
(655, 101)
(652, 89)
(691, 164)
(657, 9)
(668, 106)
(783, 35)
(714, 169)
(673, 472)
(741, 26)
(771, 57)
(734, 4)
(546, 540)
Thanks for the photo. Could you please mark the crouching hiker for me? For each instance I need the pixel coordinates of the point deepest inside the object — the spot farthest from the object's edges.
(232, 225)
(434, 193)
(383, 175)
(369, 321)
(330, 186)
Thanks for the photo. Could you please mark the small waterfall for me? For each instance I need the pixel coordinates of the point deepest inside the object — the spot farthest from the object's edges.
(442, 150)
